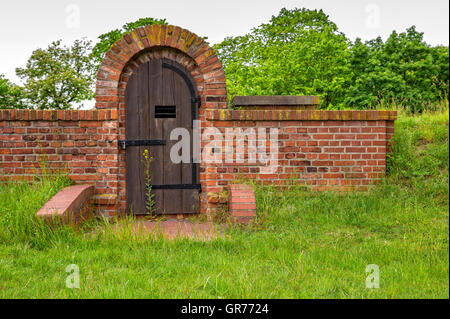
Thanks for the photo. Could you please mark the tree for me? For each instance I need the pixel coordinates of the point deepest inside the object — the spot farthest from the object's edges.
(440, 57)
(108, 39)
(403, 70)
(10, 95)
(59, 76)
(299, 52)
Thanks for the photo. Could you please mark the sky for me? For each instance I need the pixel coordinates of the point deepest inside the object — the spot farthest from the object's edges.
(28, 25)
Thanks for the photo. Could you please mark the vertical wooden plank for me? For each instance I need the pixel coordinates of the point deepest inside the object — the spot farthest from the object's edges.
(144, 133)
(156, 132)
(132, 154)
(184, 101)
(172, 171)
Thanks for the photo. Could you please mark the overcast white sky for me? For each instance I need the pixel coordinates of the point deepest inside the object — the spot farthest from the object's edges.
(28, 25)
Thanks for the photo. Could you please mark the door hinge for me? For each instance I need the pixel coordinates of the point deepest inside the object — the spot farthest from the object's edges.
(127, 143)
(196, 100)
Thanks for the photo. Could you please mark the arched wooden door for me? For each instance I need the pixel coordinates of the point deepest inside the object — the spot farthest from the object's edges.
(160, 97)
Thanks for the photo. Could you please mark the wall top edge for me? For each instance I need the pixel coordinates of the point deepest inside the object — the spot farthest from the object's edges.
(300, 115)
(59, 115)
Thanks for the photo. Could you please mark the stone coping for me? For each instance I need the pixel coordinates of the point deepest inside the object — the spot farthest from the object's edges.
(211, 115)
(275, 100)
(299, 115)
(59, 115)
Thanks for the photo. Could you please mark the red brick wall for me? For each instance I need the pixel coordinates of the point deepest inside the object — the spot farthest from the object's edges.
(323, 149)
(84, 143)
(341, 150)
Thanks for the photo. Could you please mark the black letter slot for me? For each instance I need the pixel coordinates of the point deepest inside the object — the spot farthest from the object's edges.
(165, 112)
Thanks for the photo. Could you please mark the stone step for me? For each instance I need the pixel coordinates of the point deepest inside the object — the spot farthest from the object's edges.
(69, 206)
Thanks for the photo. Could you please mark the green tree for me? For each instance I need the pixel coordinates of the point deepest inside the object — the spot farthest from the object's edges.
(59, 76)
(10, 95)
(440, 57)
(106, 40)
(299, 52)
(403, 70)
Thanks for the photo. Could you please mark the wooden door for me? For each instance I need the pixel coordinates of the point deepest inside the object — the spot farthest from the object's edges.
(160, 97)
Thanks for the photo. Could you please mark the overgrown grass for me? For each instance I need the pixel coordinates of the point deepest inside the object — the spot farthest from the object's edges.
(307, 245)
(421, 155)
(19, 202)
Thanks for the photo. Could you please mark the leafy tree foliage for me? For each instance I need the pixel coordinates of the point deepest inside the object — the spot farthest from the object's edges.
(59, 76)
(108, 39)
(299, 52)
(10, 95)
(404, 70)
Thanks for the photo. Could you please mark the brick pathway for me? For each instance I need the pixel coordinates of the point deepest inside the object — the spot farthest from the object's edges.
(172, 229)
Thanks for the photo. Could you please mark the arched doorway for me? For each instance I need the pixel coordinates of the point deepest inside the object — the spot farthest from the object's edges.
(160, 97)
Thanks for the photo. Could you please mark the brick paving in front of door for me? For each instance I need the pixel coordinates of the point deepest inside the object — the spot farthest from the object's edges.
(176, 229)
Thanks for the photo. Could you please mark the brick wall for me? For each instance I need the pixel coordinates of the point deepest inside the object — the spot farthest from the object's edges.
(83, 143)
(323, 150)
(340, 150)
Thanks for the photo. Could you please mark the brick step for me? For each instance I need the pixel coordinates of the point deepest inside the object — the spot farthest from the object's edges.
(69, 206)
(242, 203)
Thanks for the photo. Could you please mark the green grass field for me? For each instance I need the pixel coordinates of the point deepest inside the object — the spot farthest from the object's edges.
(306, 245)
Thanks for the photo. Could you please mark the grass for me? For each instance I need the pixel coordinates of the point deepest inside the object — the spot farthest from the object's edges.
(305, 246)
(19, 202)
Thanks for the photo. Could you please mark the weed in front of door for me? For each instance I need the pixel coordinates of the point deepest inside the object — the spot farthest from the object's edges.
(150, 205)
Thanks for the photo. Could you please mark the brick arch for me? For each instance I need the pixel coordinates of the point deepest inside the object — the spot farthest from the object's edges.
(145, 56)
(203, 60)
(138, 47)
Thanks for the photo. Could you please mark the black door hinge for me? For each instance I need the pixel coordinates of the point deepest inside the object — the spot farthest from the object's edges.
(196, 100)
(128, 143)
